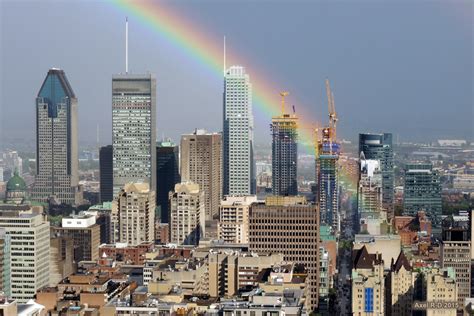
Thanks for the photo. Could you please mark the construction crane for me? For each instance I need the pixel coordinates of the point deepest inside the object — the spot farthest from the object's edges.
(283, 94)
(332, 110)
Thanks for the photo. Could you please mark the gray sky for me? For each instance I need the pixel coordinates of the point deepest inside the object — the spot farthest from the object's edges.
(397, 66)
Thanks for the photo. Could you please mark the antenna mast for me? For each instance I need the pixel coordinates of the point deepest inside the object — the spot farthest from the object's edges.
(126, 45)
(224, 56)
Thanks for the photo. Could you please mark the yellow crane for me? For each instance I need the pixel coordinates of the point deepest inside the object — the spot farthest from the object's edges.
(283, 94)
(331, 109)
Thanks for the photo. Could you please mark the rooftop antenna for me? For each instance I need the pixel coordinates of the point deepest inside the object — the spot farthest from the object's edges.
(224, 55)
(98, 141)
(126, 45)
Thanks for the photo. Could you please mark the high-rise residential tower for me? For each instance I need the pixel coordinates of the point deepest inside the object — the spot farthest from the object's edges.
(106, 173)
(379, 147)
(56, 141)
(167, 175)
(201, 158)
(133, 215)
(284, 152)
(238, 163)
(187, 222)
(133, 130)
(422, 192)
(327, 176)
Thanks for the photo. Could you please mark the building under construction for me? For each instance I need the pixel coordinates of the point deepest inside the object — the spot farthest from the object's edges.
(327, 171)
(284, 130)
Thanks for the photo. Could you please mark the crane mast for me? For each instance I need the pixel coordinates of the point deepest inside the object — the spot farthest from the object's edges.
(331, 110)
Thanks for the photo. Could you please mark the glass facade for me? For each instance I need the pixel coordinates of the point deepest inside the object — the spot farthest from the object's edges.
(133, 130)
(422, 191)
(238, 164)
(56, 141)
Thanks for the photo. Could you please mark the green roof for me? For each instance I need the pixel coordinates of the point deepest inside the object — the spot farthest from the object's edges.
(16, 183)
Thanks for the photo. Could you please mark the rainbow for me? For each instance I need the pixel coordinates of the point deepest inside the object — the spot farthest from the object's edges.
(198, 45)
(205, 50)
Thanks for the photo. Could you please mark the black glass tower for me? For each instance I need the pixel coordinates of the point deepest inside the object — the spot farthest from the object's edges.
(106, 173)
(167, 175)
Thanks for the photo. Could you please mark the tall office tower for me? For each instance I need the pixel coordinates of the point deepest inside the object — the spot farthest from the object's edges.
(284, 152)
(422, 192)
(56, 141)
(85, 235)
(167, 175)
(239, 175)
(379, 147)
(289, 225)
(133, 130)
(106, 173)
(455, 252)
(233, 226)
(369, 194)
(201, 159)
(187, 214)
(133, 215)
(30, 270)
(327, 176)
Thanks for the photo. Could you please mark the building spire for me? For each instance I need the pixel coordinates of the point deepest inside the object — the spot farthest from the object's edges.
(224, 57)
(126, 45)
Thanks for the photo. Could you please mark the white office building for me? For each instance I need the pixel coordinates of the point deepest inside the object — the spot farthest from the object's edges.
(29, 250)
(238, 133)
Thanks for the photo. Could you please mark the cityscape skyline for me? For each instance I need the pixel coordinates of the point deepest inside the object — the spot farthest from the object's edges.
(206, 222)
(356, 112)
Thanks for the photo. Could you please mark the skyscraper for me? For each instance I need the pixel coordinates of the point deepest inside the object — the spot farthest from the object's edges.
(284, 152)
(167, 175)
(106, 173)
(56, 141)
(201, 159)
(133, 130)
(327, 176)
(422, 192)
(239, 177)
(379, 147)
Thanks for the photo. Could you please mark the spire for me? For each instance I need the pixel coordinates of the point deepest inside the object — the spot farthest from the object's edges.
(126, 45)
(224, 57)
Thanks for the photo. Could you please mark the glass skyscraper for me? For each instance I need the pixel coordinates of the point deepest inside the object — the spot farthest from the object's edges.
(379, 147)
(238, 164)
(133, 130)
(106, 173)
(422, 192)
(167, 175)
(56, 141)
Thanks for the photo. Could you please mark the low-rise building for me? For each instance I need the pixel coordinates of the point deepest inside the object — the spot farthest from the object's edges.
(368, 283)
